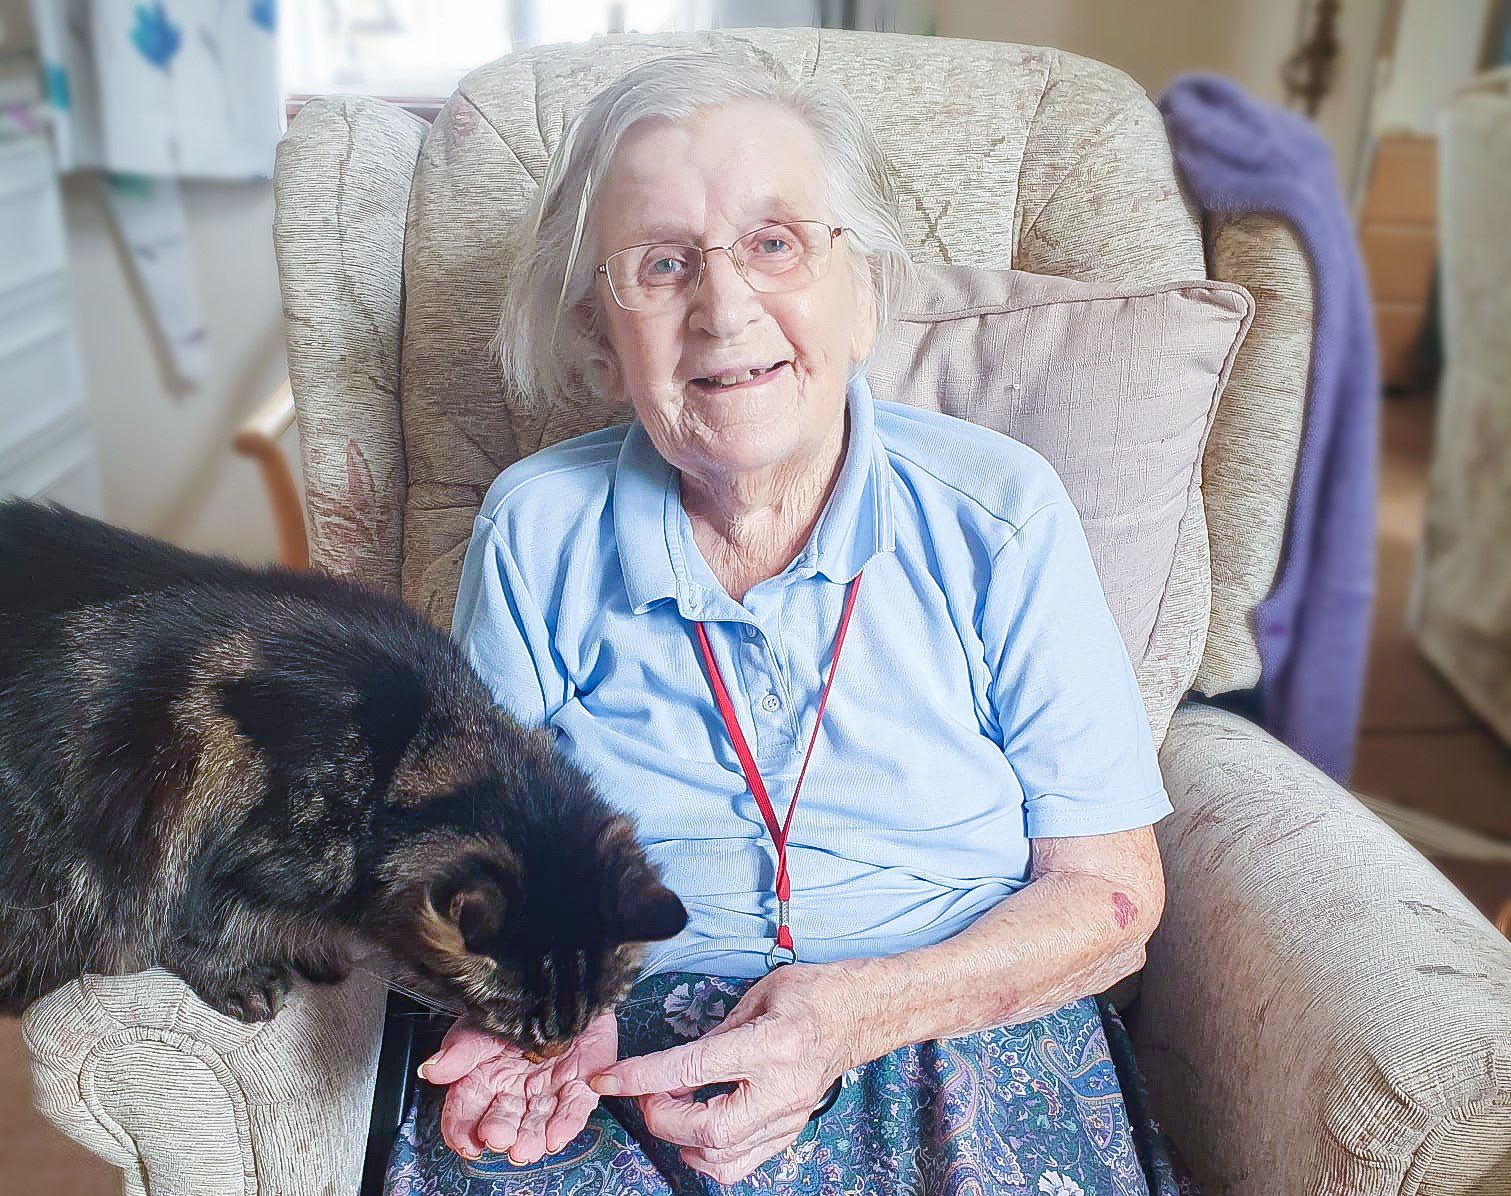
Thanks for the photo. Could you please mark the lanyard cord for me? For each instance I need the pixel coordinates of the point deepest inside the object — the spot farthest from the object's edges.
(777, 830)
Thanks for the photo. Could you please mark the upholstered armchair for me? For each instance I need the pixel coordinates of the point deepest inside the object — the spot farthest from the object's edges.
(1321, 1012)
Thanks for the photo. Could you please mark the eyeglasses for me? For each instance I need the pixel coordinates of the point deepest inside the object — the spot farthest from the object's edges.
(773, 258)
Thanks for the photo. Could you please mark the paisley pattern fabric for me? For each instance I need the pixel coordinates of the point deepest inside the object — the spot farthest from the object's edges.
(1031, 1110)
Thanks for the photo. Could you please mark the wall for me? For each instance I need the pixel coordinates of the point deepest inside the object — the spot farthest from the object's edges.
(1437, 48)
(1156, 40)
(166, 460)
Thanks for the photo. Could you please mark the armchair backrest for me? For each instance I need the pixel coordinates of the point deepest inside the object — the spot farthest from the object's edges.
(394, 242)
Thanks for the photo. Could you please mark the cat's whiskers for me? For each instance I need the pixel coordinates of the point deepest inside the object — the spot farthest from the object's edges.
(640, 1002)
(413, 993)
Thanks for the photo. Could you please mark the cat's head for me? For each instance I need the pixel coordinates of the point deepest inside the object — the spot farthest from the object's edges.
(530, 915)
(498, 881)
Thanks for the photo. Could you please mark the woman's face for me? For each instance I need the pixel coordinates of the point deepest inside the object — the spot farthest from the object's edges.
(708, 181)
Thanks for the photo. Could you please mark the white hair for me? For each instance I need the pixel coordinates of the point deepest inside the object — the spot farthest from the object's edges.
(549, 328)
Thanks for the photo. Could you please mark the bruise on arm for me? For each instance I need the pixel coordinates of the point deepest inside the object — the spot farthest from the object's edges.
(1124, 867)
(1076, 928)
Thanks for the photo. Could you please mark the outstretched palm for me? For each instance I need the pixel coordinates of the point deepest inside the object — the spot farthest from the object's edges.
(500, 1100)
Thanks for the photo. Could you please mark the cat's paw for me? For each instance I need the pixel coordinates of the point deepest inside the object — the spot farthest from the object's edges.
(253, 995)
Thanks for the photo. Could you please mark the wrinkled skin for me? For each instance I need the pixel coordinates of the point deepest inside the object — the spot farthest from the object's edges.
(781, 1048)
(790, 1037)
(500, 1099)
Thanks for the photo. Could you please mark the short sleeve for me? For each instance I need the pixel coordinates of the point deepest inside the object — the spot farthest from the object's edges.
(500, 630)
(1063, 692)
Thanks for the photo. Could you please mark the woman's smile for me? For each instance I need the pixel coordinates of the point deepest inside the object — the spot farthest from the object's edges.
(742, 381)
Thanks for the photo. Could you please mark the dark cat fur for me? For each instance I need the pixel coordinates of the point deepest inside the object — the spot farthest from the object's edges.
(243, 774)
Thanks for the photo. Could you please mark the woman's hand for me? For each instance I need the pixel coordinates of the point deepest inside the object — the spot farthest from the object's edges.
(499, 1100)
(790, 1037)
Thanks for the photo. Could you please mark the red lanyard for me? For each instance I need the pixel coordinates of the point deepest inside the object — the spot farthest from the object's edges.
(782, 950)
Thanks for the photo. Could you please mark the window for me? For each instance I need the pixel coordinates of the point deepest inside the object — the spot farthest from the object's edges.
(417, 50)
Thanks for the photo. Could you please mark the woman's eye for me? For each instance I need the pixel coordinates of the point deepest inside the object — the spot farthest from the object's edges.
(662, 269)
(771, 246)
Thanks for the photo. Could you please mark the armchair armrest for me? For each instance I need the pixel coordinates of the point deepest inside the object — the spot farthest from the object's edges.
(1322, 1011)
(191, 1103)
(258, 439)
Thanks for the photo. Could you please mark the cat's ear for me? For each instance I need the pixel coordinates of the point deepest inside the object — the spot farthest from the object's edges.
(640, 908)
(466, 909)
(477, 913)
(649, 912)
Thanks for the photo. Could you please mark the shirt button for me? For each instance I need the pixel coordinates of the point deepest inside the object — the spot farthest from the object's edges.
(771, 703)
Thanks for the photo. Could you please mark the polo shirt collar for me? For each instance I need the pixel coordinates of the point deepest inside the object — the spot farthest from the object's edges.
(657, 555)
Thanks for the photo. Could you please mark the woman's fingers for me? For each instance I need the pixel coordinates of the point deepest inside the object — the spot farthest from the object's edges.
(709, 1060)
(723, 1122)
(731, 1166)
(499, 1127)
(530, 1144)
(575, 1104)
(683, 1121)
(466, 1102)
(462, 1049)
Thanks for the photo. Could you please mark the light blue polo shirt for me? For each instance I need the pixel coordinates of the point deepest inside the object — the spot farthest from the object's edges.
(984, 697)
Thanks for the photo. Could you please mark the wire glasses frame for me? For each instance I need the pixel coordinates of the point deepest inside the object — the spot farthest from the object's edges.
(657, 275)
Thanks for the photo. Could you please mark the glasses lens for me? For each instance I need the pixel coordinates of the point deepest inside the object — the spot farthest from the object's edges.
(785, 256)
(777, 257)
(650, 276)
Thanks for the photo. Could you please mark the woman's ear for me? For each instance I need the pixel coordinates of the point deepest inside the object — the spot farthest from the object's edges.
(600, 367)
(863, 335)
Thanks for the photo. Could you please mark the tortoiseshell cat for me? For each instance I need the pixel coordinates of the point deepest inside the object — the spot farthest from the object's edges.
(242, 774)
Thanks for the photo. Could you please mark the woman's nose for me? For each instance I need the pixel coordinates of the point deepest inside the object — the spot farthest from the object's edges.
(724, 303)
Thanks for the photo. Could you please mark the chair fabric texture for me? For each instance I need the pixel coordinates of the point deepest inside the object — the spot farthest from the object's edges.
(1321, 1013)
(1092, 376)
(340, 265)
(186, 1100)
(1240, 155)
(1256, 438)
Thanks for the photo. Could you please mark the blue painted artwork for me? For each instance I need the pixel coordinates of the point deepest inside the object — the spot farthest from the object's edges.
(156, 38)
(138, 187)
(55, 80)
(265, 14)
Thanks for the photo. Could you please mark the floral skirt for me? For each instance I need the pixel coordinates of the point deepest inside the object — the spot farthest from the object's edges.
(1055, 1106)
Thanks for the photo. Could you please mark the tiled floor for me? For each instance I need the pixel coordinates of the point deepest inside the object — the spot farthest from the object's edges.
(1420, 748)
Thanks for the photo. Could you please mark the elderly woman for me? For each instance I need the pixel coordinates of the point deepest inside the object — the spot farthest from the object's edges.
(846, 662)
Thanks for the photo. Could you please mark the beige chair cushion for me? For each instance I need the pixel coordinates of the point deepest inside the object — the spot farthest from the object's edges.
(1117, 387)
(1068, 172)
(1028, 157)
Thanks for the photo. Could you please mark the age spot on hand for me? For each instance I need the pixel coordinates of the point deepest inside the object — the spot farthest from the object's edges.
(1123, 910)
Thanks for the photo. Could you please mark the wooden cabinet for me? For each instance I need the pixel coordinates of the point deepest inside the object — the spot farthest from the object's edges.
(1398, 224)
(1398, 233)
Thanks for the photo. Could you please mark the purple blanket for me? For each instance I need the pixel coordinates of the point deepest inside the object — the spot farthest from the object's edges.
(1241, 155)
